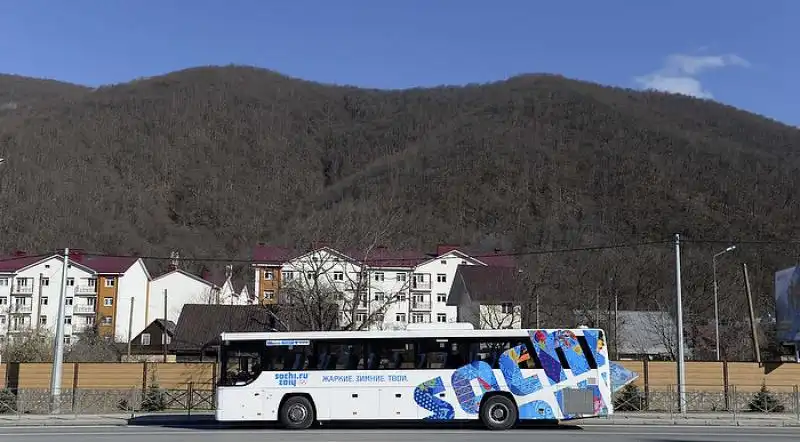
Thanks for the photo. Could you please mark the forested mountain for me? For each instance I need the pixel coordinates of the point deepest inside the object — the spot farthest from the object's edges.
(212, 160)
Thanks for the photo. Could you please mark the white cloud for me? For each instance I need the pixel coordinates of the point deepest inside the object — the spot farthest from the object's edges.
(680, 73)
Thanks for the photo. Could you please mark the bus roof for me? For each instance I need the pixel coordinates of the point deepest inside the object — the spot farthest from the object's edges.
(393, 334)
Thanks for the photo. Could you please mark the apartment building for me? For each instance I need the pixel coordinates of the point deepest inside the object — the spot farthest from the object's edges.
(395, 287)
(30, 289)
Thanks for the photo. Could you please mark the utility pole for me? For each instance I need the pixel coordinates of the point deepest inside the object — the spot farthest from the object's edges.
(756, 350)
(716, 296)
(130, 329)
(58, 345)
(679, 305)
(164, 334)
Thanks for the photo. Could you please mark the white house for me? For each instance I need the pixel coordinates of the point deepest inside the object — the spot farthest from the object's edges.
(176, 288)
(487, 297)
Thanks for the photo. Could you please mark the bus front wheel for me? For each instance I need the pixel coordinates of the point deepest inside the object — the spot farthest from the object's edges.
(297, 413)
(499, 413)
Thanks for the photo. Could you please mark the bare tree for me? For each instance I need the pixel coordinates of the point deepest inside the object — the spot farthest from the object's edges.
(92, 347)
(326, 290)
(29, 345)
(500, 316)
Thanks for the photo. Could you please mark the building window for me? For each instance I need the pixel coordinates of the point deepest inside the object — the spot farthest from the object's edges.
(378, 276)
(441, 277)
(2, 320)
(309, 275)
(45, 282)
(70, 282)
(288, 275)
(443, 262)
(441, 297)
(3, 282)
(507, 308)
(338, 276)
(68, 320)
(67, 340)
(380, 296)
(107, 320)
(91, 282)
(110, 282)
(90, 321)
(44, 300)
(417, 318)
(379, 318)
(361, 317)
(400, 277)
(268, 275)
(91, 301)
(400, 317)
(269, 295)
(167, 338)
(145, 338)
(401, 296)
(68, 301)
(108, 302)
(22, 282)
(42, 320)
(4, 301)
(441, 317)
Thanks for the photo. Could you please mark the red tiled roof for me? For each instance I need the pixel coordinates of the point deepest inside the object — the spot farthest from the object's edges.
(10, 264)
(107, 264)
(384, 257)
(273, 255)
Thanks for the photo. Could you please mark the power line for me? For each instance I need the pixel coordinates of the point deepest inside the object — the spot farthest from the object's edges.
(396, 259)
(743, 242)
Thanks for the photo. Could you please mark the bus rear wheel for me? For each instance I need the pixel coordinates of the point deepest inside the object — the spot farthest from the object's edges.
(296, 413)
(499, 413)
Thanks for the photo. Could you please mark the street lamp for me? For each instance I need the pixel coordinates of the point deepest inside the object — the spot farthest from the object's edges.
(716, 295)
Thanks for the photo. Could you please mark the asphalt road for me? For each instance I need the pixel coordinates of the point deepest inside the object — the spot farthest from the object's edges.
(587, 433)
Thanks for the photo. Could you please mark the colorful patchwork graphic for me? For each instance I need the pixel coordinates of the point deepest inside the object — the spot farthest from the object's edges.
(509, 366)
(462, 384)
(425, 397)
(472, 381)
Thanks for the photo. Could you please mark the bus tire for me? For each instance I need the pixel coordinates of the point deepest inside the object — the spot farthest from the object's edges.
(297, 413)
(498, 412)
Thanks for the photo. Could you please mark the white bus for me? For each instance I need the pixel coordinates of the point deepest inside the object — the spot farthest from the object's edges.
(440, 374)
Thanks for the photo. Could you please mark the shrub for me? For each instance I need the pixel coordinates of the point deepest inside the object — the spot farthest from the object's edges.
(155, 399)
(8, 401)
(629, 399)
(764, 401)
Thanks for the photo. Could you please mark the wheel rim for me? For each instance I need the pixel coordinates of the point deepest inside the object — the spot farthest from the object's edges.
(297, 413)
(498, 413)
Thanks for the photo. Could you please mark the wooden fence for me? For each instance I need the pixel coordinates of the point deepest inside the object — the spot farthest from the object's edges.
(109, 375)
(700, 376)
(717, 376)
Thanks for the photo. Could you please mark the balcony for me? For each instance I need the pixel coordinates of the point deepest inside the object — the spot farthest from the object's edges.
(84, 309)
(20, 308)
(420, 305)
(86, 290)
(22, 290)
(420, 285)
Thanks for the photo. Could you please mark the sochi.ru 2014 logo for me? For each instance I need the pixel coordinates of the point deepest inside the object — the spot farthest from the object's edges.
(291, 379)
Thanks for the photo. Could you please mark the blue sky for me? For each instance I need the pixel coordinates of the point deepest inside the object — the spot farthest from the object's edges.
(736, 51)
